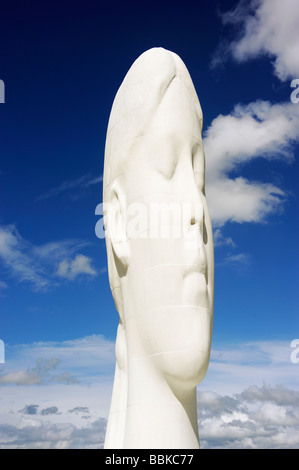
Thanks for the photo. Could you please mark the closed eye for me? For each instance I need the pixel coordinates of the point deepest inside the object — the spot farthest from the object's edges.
(198, 163)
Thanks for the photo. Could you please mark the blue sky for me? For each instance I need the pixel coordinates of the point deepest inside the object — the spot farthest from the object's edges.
(62, 64)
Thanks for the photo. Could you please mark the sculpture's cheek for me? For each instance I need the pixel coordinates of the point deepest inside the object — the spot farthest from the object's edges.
(176, 285)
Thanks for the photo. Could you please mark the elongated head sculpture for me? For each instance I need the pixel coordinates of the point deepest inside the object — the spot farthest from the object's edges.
(160, 255)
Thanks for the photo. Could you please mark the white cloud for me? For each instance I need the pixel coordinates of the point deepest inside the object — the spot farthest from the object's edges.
(246, 420)
(269, 27)
(278, 394)
(38, 434)
(70, 269)
(37, 265)
(259, 129)
(271, 413)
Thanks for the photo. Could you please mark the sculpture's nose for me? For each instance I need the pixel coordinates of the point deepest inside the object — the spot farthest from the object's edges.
(193, 211)
(193, 198)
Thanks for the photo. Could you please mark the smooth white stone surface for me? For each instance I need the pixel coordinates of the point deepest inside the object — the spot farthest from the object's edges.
(163, 285)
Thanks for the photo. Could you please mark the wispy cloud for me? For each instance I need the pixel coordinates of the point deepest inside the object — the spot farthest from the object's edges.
(76, 360)
(239, 365)
(41, 373)
(3, 287)
(221, 240)
(15, 254)
(238, 261)
(72, 186)
(39, 266)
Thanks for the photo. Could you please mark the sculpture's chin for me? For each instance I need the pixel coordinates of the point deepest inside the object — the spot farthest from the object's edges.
(185, 369)
(178, 341)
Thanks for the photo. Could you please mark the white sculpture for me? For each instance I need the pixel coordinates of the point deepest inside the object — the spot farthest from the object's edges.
(161, 270)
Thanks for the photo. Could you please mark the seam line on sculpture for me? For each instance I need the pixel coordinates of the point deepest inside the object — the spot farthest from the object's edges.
(196, 229)
(174, 264)
(178, 306)
(167, 352)
(164, 307)
(169, 403)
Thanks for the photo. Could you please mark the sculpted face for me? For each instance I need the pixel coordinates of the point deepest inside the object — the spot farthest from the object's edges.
(162, 272)
(172, 317)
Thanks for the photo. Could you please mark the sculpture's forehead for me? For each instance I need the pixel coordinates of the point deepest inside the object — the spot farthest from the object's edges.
(155, 105)
(148, 82)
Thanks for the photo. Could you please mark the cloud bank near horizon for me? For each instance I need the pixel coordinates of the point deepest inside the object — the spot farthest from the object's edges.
(241, 403)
